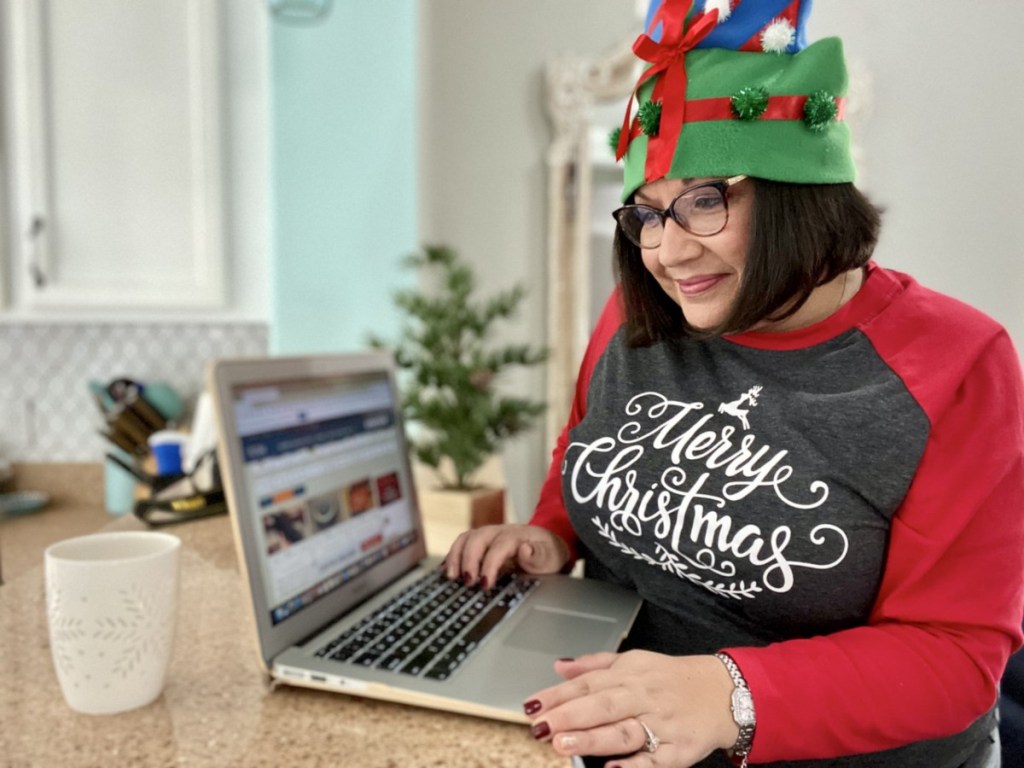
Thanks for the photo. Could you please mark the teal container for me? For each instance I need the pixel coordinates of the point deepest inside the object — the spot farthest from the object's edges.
(118, 485)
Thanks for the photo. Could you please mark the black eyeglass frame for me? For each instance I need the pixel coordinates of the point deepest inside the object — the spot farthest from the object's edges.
(722, 185)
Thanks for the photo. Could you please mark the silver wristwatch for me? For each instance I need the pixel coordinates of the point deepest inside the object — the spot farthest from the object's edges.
(742, 709)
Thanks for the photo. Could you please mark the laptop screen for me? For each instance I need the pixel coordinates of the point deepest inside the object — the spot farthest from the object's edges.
(326, 479)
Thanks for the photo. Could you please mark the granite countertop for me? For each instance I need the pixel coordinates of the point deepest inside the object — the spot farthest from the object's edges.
(216, 709)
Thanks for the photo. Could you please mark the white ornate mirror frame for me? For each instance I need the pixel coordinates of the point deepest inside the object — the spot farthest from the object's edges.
(575, 87)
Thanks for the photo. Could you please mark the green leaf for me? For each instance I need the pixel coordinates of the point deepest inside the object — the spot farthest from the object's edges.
(451, 390)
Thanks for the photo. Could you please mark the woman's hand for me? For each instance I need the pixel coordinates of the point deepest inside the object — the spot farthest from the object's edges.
(683, 700)
(479, 554)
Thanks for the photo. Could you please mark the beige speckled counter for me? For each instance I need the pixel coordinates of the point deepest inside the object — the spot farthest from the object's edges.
(216, 709)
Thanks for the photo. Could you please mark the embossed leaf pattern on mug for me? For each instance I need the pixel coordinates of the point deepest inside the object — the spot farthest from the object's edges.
(139, 628)
(132, 629)
(65, 629)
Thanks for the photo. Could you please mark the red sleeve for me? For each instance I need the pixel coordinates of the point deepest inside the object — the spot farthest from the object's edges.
(550, 510)
(948, 613)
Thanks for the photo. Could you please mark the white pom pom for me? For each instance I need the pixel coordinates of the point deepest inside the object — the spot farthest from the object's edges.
(724, 8)
(777, 36)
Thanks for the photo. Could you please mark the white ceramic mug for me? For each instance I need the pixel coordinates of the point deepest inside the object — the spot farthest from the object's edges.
(111, 602)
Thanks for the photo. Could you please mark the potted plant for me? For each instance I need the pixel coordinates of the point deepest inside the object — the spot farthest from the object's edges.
(457, 419)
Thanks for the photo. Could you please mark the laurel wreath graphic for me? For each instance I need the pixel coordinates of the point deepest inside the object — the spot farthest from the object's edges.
(672, 563)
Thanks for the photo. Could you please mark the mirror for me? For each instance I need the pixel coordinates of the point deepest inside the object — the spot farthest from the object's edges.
(585, 99)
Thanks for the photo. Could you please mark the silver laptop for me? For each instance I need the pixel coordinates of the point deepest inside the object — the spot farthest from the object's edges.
(330, 539)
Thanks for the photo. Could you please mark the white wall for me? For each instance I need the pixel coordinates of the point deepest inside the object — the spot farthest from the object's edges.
(482, 148)
(939, 147)
(247, 76)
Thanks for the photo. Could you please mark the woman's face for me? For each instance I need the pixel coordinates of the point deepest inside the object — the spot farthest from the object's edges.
(700, 274)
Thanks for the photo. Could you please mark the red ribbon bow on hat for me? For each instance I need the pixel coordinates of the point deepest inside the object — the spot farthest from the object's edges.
(668, 57)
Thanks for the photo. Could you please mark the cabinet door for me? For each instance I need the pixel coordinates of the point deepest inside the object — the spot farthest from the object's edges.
(116, 153)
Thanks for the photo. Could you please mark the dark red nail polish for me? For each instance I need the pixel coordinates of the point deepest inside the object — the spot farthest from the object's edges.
(532, 707)
(465, 577)
(567, 658)
(540, 730)
(483, 582)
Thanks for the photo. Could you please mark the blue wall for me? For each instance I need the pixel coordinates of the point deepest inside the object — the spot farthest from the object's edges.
(343, 204)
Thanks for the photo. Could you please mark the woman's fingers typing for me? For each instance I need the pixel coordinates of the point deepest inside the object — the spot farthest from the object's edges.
(479, 555)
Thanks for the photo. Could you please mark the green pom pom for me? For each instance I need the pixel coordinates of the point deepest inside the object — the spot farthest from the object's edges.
(820, 110)
(649, 116)
(750, 103)
(613, 140)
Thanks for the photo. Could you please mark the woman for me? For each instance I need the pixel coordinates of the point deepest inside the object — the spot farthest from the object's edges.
(810, 467)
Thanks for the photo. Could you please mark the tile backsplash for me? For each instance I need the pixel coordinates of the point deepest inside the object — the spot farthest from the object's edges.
(46, 411)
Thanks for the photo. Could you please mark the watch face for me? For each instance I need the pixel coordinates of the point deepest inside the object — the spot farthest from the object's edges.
(742, 707)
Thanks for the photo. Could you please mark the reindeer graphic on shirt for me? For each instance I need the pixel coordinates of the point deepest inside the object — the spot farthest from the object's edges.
(733, 408)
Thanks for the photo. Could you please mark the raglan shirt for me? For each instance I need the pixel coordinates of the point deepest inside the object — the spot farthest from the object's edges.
(839, 508)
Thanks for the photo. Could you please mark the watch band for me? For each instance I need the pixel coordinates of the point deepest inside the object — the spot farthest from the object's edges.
(742, 706)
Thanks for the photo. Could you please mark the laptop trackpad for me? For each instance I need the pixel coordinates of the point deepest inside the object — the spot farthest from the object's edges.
(561, 633)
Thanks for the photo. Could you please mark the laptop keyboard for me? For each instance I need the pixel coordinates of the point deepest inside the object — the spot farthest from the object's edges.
(430, 628)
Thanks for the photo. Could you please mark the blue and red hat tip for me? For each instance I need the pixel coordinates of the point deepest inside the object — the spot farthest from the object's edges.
(777, 26)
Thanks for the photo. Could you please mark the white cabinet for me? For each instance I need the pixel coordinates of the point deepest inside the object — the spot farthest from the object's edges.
(114, 142)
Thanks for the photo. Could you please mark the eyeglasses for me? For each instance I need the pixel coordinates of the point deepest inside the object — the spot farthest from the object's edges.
(701, 210)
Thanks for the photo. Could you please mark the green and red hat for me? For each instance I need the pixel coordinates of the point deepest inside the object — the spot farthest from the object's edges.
(732, 88)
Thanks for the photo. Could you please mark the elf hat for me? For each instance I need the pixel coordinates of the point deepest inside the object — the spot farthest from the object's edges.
(732, 88)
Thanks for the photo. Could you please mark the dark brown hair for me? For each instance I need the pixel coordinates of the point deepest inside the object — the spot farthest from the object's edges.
(801, 236)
